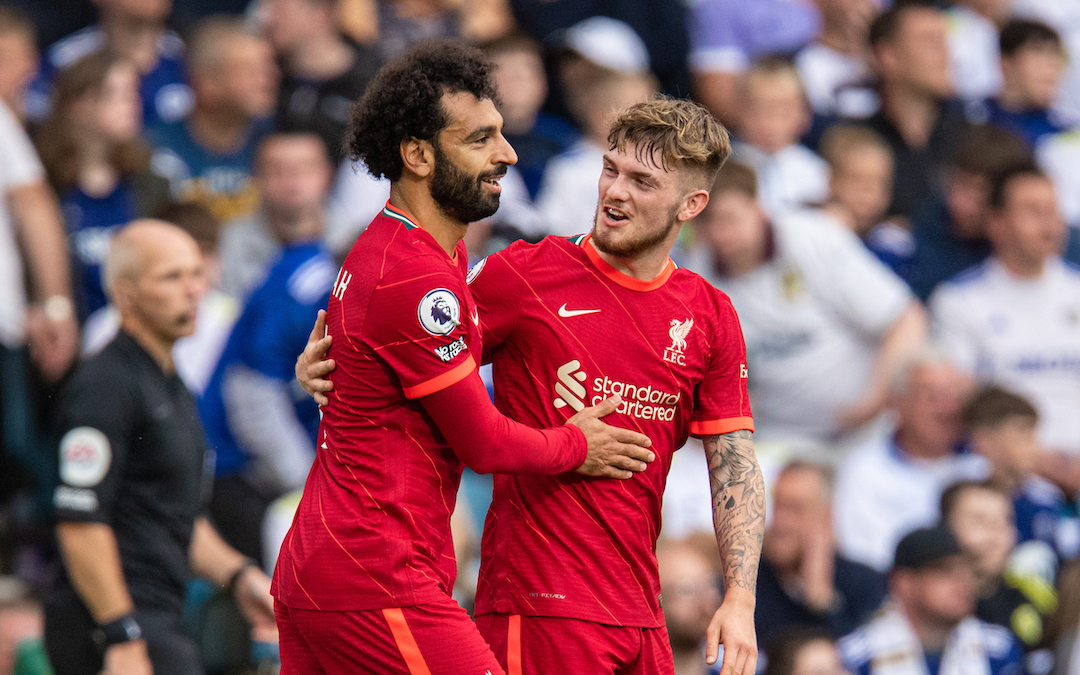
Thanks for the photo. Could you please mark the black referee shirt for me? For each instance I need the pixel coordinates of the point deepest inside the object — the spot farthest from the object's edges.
(132, 456)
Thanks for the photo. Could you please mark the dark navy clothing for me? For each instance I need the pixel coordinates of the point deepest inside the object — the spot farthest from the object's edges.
(269, 334)
(90, 223)
(222, 182)
(919, 172)
(323, 106)
(940, 254)
(165, 94)
(1031, 125)
(860, 590)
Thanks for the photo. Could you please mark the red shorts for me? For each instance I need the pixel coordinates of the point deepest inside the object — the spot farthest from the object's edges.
(540, 645)
(433, 639)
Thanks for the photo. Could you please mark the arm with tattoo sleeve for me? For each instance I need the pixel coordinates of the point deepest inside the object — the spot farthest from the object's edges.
(738, 504)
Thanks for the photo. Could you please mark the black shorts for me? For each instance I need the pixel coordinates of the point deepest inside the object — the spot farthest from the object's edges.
(70, 644)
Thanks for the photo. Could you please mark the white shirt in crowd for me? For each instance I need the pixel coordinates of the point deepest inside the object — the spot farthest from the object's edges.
(836, 83)
(1021, 333)
(812, 318)
(567, 196)
(790, 179)
(19, 167)
(974, 57)
(883, 493)
(1059, 157)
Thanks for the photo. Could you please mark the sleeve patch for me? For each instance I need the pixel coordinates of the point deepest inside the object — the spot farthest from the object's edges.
(439, 312)
(447, 353)
(475, 271)
(85, 455)
(75, 499)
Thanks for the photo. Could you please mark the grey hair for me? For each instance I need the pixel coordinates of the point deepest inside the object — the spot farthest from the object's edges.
(929, 354)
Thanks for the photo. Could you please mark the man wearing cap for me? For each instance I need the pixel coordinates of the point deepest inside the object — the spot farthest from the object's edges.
(930, 627)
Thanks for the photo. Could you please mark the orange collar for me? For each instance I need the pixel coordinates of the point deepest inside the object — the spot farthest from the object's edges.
(625, 280)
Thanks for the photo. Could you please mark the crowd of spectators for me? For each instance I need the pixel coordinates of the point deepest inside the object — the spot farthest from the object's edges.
(898, 229)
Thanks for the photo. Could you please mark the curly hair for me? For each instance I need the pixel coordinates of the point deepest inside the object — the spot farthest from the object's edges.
(673, 133)
(404, 101)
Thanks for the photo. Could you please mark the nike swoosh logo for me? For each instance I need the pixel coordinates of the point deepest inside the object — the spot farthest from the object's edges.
(567, 313)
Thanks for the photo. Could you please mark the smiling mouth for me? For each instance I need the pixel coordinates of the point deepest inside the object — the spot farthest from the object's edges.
(615, 214)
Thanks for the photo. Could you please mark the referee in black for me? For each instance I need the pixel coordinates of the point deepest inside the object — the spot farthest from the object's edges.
(132, 485)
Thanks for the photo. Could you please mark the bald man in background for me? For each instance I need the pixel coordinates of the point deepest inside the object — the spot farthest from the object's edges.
(131, 489)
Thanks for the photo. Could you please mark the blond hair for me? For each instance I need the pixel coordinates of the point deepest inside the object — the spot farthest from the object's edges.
(672, 133)
(840, 141)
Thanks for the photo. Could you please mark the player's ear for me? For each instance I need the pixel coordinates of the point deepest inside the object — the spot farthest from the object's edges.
(693, 205)
(418, 157)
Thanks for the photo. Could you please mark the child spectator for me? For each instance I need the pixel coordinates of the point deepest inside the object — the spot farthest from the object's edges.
(97, 164)
(1003, 428)
(567, 198)
(860, 186)
(1033, 59)
(980, 515)
(775, 115)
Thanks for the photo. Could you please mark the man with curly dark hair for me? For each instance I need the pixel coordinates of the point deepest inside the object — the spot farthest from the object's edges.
(364, 575)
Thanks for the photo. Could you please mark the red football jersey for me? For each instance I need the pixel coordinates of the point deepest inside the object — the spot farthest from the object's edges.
(566, 330)
(373, 527)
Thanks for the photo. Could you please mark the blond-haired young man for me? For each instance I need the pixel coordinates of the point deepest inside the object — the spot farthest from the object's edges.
(568, 580)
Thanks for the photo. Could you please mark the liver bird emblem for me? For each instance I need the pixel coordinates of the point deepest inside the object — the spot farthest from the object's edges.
(678, 332)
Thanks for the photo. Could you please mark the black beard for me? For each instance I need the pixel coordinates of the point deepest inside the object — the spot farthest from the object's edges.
(459, 195)
(634, 247)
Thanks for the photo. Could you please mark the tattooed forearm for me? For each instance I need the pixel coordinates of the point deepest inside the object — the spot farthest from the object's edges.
(738, 497)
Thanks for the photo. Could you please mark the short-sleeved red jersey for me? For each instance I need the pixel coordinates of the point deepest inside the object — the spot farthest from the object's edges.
(373, 527)
(566, 330)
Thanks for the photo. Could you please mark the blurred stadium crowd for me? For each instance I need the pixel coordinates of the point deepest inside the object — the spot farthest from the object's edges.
(897, 229)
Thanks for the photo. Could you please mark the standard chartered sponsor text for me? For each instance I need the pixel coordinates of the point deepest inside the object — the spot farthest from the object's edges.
(646, 403)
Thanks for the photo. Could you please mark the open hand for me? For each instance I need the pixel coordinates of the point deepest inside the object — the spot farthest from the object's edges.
(312, 366)
(613, 452)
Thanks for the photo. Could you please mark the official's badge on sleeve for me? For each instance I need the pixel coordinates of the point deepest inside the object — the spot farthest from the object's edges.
(85, 455)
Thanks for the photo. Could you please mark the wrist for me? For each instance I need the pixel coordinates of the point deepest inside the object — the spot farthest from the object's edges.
(57, 308)
(118, 631)
(234, 578)
(739, 596)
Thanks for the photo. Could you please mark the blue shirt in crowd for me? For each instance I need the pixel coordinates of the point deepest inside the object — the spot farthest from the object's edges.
(270, 332)
(90, 223)
(1031, 125)
(166, 97)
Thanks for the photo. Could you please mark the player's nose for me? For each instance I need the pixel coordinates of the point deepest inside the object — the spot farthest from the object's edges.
(504, 152)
